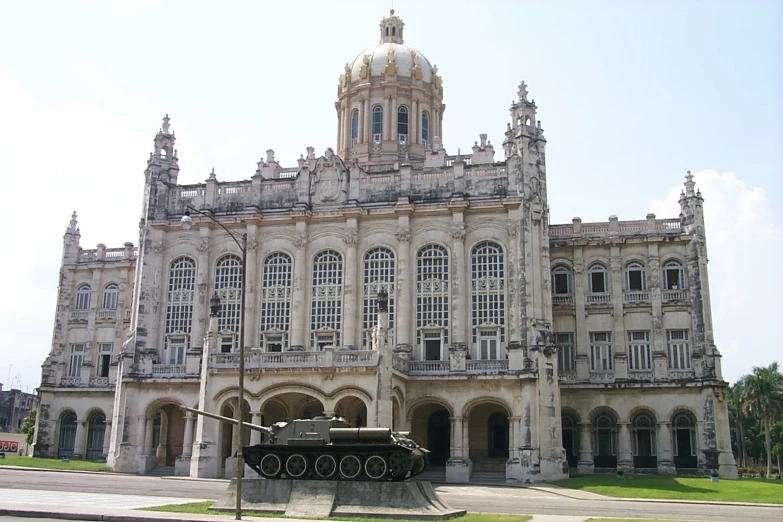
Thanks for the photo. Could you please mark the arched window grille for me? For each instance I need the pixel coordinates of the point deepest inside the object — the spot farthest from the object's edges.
(377, 124)
(643, 439)
(432, 301)
(684, 441)
(425, 128)
(67, 439)
(561, 280)
(379, 270)
(597, 279)
(228, 286)
(488, 299)
(111, 296)
(326, 305)
(95, 435)
(179, 309)
(570, 438)
(674, 276)
(354, 128)
(276, 302)
(604, 441)
(402, 125)
(635, 277)
(82, 298)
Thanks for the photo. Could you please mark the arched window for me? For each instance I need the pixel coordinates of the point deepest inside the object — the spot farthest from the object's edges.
(643, 440)
(604, 441)
(228, 287)
(488, 294)
(67, 437)
(82, 298)
(354, 128)
(674, 276)
(377, 124)
(95, 435)
(684, 441)
(597, 279)
(379, 270)
(111, 296)
(561, 280)
(326, 305)
(570, 439)
(432, 301)
(635, 277)
(179, 309)
(402, 125)
(276, 302)
(425, 129)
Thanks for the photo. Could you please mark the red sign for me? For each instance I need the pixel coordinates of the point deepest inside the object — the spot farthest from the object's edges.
(9, 445)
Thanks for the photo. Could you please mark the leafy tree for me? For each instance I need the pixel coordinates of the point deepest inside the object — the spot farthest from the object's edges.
(28, 426)
(763, 397)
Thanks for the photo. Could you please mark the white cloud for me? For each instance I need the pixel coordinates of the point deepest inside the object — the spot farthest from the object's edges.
(744, 245)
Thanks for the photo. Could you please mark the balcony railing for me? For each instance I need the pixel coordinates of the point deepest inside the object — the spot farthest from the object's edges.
(168, 370)
(428, 367)
(71, 381)
(636, 297)
(79, 315)
(599, 299)
(569, 376)
(680, 374)
(675, 295)
(487, 366)
(601, 377)
(106, 315)
(643, 375)
(99, 381)
(562, 299)
(257, 359)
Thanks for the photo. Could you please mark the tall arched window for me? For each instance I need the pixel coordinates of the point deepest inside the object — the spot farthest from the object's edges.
(82, 298)
(488, 291)
(604, 441)
(95, 435)
(570, 439)
(635, 277)
(684, 441)
(276, 302)
(674, 276)
(377, 124)
(379, 273)
(402, 125)
(425, 129)
(111, 296)
(432, 301)
(179, 309)
(561, 280)
(644, 452)
(67, 437)
(597, 279)
(354, 128)
(228, 287)
(326, 305)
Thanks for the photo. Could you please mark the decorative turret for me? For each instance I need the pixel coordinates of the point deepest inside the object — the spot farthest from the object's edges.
(71, 241)
(391, 29)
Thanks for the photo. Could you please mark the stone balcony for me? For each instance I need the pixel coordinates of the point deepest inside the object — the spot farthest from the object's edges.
(255, 359)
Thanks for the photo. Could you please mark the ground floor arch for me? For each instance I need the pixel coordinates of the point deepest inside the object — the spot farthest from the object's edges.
(431, 427)
(353, 410)
(489, 435)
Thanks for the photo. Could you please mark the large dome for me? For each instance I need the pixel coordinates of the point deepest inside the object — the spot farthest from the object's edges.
(407, 62)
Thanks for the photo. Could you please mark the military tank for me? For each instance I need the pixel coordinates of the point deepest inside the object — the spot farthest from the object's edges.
(326, 448)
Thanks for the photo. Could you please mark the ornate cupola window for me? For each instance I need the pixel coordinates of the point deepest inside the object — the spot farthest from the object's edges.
(391, 29)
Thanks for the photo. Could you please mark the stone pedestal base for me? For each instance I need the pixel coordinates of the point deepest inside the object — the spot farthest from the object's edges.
(529, 467)
(230, 471)
(459, 470)
(182, 466)
(666, 467)
(145, 463)
(727, 467)
(585, 467)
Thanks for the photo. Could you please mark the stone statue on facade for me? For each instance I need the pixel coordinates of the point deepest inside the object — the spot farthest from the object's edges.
(383, 300)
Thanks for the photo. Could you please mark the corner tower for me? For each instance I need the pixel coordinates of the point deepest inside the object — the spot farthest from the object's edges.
(389, 100)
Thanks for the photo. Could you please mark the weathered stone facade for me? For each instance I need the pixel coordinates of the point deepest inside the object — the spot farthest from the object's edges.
(510, 344)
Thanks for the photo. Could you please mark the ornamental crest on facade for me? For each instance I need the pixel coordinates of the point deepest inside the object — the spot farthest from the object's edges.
(328, 181)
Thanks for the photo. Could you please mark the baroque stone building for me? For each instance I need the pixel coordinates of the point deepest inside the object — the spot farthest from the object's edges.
(511, 345)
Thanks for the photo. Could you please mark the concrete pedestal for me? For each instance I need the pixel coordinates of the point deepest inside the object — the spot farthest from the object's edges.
(459, 470)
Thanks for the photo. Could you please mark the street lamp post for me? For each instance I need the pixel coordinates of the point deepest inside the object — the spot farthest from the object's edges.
(241, 242)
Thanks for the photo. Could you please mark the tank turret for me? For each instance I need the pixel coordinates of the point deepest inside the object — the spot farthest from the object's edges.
(326, 448)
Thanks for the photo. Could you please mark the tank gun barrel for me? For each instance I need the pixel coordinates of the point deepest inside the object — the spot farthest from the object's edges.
(215, 416)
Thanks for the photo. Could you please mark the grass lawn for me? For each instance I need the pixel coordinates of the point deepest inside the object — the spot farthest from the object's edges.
(625, 520)
(35, 462)
(202, 508)
(679, 488)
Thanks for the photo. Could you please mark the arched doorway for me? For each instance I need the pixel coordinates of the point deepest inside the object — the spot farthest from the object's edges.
(488, 436)
(604, 441)
(67, 438)
(96, 432)
(353, 410)
(684, 439)
(644, 450)
(439, 437)
(497, 428)
(570, 440)
(226, 429)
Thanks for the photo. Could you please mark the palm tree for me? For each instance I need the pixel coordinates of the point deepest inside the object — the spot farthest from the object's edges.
(763, 397)
(737, 417)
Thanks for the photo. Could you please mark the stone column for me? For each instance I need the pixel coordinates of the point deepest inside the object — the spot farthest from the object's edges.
(619, 338)
(403, 297)
(187, 440)
(624, 453)
(255, 436)
(394, 119)
(106, 439)
(458, 467)
(663, 444)
(585, 464)
(387, 118)
(413, 123)
(149, 423)
(367, 121)
(350, 289)
(459, 286)
(250, 317)
(80, 442)
(202, 294)
(140, 433)
(298, 310)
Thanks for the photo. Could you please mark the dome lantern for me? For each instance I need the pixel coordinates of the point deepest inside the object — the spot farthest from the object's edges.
(391, 29)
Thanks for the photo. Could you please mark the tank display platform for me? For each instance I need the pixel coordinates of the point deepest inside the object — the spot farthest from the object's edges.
(323, 498)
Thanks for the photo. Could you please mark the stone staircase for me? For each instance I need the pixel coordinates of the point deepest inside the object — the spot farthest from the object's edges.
(161, 471)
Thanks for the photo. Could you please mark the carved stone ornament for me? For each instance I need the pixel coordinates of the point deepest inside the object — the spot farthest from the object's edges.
(579, 268)
(328, 179)
(157, 247)
(252, 244)
(351, 239)
(403, 235)
(458, 232)
(300, 241)
(513, 229)
(203, 246)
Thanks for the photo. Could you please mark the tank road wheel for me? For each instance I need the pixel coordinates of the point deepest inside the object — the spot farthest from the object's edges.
(325, 466)
(270, 465)
(375, 467)
(296, 465)
(400, 464)
(350, 466)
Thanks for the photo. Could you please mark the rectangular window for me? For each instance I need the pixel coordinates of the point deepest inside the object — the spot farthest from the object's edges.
(639, 353)
(561, 283)
(598, 282)
(432, 346)
(679, 349)
(228, 343)
(489, 340)
(176, 350)
(565, 352)
(274, 343)
(324, 339)
(76, 360)
(104, 359)
(600, 351)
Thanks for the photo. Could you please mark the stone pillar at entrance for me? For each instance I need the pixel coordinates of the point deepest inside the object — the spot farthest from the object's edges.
(80, 443)
(255, 435)
(458, 467)
(585, 464)
(624, 454)
(182, 464)
(664, 443)
(106, 439)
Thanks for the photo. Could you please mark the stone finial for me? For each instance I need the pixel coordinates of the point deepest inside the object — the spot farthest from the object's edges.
(270, 156)
(73, 226)
(483, 138)
(212, 174)
(310, 153)
(166, 120)
(522, 92)
(689, 185)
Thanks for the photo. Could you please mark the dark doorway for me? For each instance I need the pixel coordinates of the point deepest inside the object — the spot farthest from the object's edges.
(432, 350)
(67, 436)
(95, 436)
(684, 443)
(570, 440)
(439, 437)
(498, 436)
(644, 442)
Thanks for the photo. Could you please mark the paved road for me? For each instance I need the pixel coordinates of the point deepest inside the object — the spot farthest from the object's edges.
(496, 499)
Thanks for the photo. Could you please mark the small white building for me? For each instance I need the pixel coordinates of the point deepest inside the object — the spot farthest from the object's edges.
(513, 346)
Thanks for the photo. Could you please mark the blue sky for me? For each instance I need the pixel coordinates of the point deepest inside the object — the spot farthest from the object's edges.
(631, 95)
